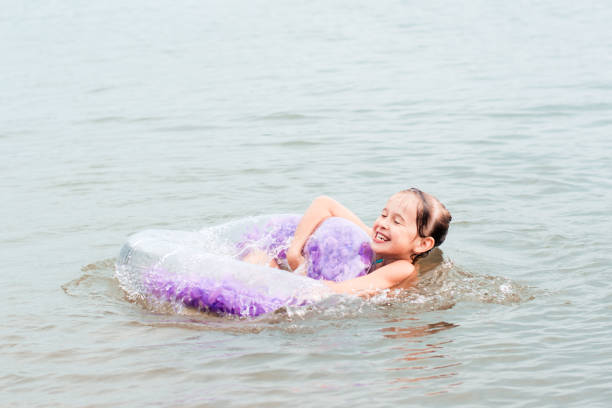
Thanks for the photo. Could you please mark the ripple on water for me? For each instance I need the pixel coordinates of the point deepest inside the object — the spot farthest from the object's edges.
(441, 286)
(285, 116)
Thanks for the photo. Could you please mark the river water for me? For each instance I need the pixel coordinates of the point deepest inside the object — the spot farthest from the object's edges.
(123, 116)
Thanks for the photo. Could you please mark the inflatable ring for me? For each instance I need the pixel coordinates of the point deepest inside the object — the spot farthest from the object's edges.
(203, 270)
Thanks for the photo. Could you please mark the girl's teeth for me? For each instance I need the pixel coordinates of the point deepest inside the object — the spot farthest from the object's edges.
(380, 237)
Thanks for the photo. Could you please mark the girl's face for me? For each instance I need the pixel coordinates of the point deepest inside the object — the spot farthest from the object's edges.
(395, 232)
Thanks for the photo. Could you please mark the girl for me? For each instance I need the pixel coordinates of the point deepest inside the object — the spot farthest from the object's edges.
(410, 225)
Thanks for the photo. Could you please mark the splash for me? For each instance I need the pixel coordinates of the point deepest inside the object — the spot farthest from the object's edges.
(441, 285)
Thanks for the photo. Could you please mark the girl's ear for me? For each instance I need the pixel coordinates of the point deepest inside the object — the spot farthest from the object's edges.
(425, 244)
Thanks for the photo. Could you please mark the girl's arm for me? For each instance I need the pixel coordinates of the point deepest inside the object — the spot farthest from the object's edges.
(321, 208)
(385, 277)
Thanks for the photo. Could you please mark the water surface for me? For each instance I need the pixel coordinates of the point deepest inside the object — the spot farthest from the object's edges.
(122, 117)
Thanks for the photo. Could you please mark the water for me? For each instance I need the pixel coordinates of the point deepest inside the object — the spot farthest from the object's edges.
(121, 117)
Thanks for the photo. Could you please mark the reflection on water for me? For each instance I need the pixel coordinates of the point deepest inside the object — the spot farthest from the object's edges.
(421, 360)
(416, 331)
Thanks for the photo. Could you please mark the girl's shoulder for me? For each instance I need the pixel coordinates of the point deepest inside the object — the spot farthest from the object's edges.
(397, 271)
(403, 265)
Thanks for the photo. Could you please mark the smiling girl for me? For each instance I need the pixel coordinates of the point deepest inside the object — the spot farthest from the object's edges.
(408, 227)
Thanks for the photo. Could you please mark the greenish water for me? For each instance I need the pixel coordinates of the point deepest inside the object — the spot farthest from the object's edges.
(121, 117)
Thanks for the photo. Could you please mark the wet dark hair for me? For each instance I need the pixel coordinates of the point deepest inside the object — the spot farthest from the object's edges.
(427, 226)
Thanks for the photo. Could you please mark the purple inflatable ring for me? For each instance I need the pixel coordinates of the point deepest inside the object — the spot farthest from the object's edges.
(202, 270)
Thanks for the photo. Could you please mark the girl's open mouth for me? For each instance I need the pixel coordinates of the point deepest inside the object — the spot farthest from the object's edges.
(378, 237)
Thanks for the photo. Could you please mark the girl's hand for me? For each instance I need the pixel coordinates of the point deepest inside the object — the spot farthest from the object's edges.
(294, 258)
